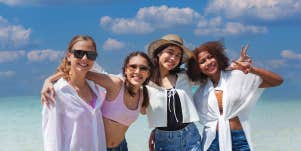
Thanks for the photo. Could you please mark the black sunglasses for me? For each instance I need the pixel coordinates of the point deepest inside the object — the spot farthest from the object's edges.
(134, 67)
(91, 55)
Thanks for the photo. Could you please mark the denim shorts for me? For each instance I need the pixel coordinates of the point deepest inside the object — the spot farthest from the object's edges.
(185, 139)
(239, 142)
(121, 147)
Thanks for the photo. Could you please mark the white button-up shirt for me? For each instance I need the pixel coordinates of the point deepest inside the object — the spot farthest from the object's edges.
(240, 93)
(157, 108)
(71, 124)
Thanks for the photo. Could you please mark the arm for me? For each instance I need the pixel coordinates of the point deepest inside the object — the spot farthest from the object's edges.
(269, 79)
(244, 63)
(109, 82)
(47, 92)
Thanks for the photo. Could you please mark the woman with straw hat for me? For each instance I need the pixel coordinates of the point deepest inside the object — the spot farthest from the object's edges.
(171, 111)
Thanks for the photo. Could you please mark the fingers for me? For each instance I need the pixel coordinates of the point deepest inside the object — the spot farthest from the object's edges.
(47, 96)
(243, 66)
(51, 94)
(245, 48)
(243, 52)
(151, 144)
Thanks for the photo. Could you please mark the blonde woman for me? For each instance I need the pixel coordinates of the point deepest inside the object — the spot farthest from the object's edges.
(74, 121)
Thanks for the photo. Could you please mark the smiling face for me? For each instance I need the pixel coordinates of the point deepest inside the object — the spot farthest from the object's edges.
(170, 57)
(81, 64)
(137, 70)
(208, 64)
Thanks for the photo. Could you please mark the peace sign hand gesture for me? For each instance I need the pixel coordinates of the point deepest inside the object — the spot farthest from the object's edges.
(244, 63)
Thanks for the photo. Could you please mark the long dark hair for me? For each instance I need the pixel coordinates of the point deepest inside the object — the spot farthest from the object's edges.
(156, 78)
(217, 50)
(128, 86)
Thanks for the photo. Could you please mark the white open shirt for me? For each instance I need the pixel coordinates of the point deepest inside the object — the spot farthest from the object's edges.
(70, 124)
(240, 93)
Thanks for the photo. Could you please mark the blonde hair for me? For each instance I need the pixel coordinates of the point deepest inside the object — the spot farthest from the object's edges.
(65, 65)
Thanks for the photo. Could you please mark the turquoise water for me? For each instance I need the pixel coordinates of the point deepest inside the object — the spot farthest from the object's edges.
(276, 126)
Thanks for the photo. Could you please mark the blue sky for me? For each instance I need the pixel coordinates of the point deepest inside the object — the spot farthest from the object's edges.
(34, 34)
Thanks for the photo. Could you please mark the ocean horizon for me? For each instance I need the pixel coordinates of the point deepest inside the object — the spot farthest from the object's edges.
(274, 126)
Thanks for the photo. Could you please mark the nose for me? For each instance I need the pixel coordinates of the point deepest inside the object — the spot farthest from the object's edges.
(84, 57)
(173, 57)
(137, 70)
(207, 62)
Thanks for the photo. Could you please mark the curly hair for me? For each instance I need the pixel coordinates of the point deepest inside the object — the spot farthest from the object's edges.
(128, 85)
(217, 50)
(65, 65)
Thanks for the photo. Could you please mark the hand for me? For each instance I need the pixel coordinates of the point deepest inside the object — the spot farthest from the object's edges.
(243, 66)
(151, 141)
(244, 63)
(243, 55)
(47, 93)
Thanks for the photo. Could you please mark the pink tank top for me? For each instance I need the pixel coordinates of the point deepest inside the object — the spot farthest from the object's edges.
(93, 102)
(117, 111)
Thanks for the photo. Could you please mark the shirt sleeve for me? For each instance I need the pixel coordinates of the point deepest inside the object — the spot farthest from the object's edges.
(51, 126)
(246, 91)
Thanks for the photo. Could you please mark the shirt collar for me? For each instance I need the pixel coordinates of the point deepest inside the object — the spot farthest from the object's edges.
(63, 84)
(220, 86)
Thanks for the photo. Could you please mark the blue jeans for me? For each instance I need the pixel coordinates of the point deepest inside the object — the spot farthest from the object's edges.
(239, 142)
(185, 139)
(121, 147)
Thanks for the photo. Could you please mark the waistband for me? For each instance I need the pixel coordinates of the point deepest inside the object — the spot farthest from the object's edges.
(188, 127)
(235, 132)
(179, 127)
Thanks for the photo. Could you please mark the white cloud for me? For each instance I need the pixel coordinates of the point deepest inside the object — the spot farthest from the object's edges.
(289, 54)
(13, 35)
(263, 9)
(7, 74)
(54, 2)
(165, 17)
(216, 27)
(9, 56)
(149, 19)
(42, 55)
(277, 63)
(113, 44)
(125, 26)
(12, 2)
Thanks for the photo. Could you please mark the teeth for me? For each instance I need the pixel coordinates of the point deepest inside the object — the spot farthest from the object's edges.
(136, 77)
(83, 64)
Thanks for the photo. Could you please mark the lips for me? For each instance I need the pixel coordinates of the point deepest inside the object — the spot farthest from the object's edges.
(211, 67)
(83, 65)
(171, 64)
(137, 78)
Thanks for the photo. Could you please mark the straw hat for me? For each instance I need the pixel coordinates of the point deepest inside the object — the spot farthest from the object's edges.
(170, 39)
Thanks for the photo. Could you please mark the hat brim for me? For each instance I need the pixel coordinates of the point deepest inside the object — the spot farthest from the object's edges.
(187, 54)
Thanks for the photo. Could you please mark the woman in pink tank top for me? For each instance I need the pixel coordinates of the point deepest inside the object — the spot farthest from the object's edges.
(125, 97)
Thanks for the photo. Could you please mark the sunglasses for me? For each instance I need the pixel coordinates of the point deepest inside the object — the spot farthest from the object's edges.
(91, 55)
(134, 67)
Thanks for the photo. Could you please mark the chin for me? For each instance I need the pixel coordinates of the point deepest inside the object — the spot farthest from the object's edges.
(136, 84)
